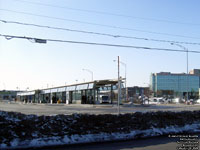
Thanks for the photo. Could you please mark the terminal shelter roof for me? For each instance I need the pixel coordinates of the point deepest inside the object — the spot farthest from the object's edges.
(73, 87)
(105, 82)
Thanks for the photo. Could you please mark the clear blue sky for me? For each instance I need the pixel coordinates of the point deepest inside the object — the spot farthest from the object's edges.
(26, 64)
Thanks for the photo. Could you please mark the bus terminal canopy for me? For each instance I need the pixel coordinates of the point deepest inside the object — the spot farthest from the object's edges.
(99, 83)
(73, 87)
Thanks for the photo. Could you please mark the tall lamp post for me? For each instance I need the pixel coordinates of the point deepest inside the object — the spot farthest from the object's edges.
(119, 84)
(186, 50)
(126, 92)
(89, 72)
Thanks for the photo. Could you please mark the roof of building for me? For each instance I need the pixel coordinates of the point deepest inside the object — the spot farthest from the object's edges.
(72, 87)
(194, 72)
(174, 74)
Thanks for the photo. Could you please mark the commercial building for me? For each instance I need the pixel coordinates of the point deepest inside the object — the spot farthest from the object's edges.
(8, 94)
(176, 84)
(195, 72)
(82, 93)
(136, 91)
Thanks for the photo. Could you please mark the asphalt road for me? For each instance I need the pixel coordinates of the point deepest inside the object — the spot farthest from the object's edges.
(53, 109)
(153, 143)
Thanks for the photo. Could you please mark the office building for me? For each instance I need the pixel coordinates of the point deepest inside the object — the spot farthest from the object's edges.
(176, 84)
(8, 94)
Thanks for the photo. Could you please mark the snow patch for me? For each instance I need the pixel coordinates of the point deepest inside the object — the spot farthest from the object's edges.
(101, 137)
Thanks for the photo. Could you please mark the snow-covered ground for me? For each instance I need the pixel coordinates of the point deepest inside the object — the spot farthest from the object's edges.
(26, 131)
(101, 137)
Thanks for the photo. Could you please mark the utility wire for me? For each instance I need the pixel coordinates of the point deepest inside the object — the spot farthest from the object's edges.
(97, 44)
(108, 13)
(98, 33)
(102, 25)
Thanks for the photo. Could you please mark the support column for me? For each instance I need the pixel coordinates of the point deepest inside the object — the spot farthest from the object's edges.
(67, 97)
(51, 101)
(111, 94)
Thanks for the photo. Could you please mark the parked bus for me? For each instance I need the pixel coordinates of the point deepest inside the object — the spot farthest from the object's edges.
(104, 98)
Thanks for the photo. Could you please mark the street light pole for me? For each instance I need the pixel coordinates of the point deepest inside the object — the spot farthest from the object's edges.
(126, 92)
(186, 50)
(89, 72)
(118, 88)
(187, 74)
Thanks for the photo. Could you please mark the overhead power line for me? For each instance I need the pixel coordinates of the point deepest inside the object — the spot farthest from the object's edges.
(39, 40)
(102, 25)
(108, 13)
(98, 33)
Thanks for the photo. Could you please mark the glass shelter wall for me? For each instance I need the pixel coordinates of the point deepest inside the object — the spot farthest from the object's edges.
(86, 93)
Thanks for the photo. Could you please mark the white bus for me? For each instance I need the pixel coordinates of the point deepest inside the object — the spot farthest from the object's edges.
(103, 98)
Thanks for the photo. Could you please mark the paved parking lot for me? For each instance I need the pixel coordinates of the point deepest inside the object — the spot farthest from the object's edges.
(53, 109)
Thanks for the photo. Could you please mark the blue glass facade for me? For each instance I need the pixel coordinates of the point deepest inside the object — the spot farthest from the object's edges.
(176, 83)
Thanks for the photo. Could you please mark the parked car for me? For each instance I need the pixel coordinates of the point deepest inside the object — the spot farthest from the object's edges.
(190, 101)
(146, 101)
(167, 101)
(178, 100)
(155, 100)
(161, 100)
(197, 101)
